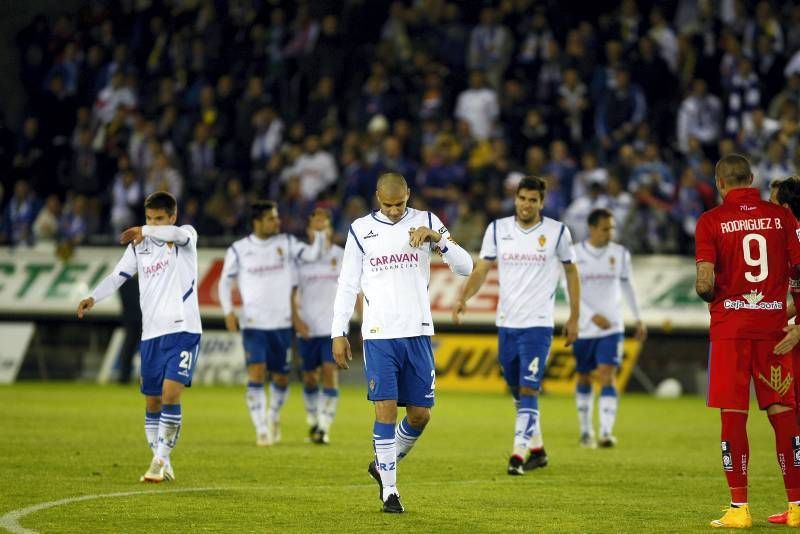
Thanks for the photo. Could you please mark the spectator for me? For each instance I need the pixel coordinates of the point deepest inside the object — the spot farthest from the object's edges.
(74, 224)
(490, 47)
(699, 117)
(116, 94)
(126, 199)
(776, 166)
(620, 112)
(163, 177)
(478, 106)
(202, 159)
(315, 168)
(744, 95)
(19, 215)
(45, 228)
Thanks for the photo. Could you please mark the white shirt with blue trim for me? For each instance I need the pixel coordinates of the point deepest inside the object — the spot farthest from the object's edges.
(167, 280)
(380, 261)
(317, 287)
(606, 276)
(529, 264)
(265, 271)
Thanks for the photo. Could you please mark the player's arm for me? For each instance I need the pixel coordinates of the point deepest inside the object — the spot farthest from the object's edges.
(476, 279)
(629, 295)
(704, 283)
(182, 236)
(300, 326)
(346, 292)
(453, 254)
(309, 252)
(230, 272)
(125, 269)
(574, 292)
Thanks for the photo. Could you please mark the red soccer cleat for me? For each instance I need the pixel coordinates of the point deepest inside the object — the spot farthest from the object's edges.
(779, 519)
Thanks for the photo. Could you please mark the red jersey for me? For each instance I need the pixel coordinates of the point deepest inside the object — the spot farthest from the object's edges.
(751, 243)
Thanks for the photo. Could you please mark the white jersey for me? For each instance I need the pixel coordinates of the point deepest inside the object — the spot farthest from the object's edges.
(265, 271)
(167, 280)
(392, 274)
(318, 290)
(605, 276)
(529, 263)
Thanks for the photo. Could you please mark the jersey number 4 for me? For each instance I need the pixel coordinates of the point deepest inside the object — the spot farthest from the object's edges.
(760, 261)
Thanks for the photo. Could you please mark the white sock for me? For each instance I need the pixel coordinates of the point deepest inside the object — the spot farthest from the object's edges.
(169, 429)
(311, 401)
(277, 396)
(151, 420)
(328, 402)
(383, 439)
(406, 436)
(584, 401)
(527, 415)
(257, 405)
(608, 410)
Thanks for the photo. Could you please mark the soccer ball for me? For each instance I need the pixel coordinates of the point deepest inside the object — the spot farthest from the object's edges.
(669, 388)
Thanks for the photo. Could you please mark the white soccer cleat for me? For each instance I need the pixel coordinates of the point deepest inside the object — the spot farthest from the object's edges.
(274, 430)
(156, 472)
(263, 439)
(169, 474)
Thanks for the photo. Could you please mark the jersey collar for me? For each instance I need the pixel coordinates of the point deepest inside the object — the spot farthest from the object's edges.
(529, 230)
(381, 218)
(742, 193)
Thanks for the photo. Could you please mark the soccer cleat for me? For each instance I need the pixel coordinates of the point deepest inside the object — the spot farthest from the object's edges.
(738, 517)
(392, 504)
(608, 441)
(587, 441)
(263, 439)
(778, 519)
(320, 437)
(373, 472)
(312, 432)
(169, 474)
(536, 459)
(156, 471)
(515, 466)
(274, 430)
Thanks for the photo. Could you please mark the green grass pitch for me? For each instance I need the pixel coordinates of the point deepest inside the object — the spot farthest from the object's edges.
(61, 441)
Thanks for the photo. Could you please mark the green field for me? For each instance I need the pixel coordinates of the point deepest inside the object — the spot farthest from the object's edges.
(61, 441)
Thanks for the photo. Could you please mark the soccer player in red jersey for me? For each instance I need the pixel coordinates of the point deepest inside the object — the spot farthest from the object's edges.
(746, 250)
(787, 194)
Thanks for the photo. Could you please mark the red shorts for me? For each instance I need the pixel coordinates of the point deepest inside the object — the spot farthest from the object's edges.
(733, 362)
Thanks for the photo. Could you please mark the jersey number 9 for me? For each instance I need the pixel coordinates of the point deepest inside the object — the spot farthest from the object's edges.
(760, 261)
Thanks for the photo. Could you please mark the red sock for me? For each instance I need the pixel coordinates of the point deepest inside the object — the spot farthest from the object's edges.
(735, 454)
(787, 445)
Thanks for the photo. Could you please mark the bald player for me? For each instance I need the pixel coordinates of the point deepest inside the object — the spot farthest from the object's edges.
(387, 257)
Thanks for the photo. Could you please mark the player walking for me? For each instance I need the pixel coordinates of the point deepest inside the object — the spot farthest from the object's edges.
(387, 256)
(605, 272)
(529, 251)
(744, 250)
(164, 257)
(263, 265)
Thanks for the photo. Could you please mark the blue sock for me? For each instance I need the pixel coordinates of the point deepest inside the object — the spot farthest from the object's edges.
(406, 436)
(169, 429)
(311, 401)
(383, 439)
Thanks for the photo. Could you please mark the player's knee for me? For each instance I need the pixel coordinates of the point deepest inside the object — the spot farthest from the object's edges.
(310, 379)
(257, 373)
(584, 379)
(419, 419)
(280, 380)
(524, 390)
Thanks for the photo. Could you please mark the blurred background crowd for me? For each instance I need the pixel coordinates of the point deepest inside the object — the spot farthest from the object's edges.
(625, 105)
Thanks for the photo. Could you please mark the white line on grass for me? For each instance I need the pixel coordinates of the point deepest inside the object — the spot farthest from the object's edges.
(10, 521)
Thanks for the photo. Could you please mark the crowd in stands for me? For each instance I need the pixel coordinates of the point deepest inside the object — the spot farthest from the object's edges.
(220, 102)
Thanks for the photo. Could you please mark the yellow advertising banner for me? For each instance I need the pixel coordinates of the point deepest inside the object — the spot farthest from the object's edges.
(468, 362)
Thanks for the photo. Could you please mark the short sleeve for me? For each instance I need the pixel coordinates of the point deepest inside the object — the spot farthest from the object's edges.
(792, 238)
(564, 249)
(704, 249)
(489, 245)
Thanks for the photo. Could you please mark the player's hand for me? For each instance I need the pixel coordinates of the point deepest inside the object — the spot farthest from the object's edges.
(788, 342)
(458, 311)
(341, 351)
(301, 328)
(131, 234)
(601, 321)
(418, 236)
(641, 332)
(231, 323)
(571, 331)
(84, 306)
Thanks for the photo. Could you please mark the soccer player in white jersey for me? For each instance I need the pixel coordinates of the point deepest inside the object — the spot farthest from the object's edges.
(316, 292)
(387, 257)
(164, 257)
(605, 271)
(263, 264)
(529, 251)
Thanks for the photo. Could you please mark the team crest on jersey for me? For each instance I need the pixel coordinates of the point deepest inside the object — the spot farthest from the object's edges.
(542, 240)
(612, 261)
(333, 262)
(777, 381)
(280, 251)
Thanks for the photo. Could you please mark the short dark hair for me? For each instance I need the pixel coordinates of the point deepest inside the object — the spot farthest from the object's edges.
(260, 207)
(734, 169)
(533, 183)
(598, 215)
(789, 194)
(161, 200)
